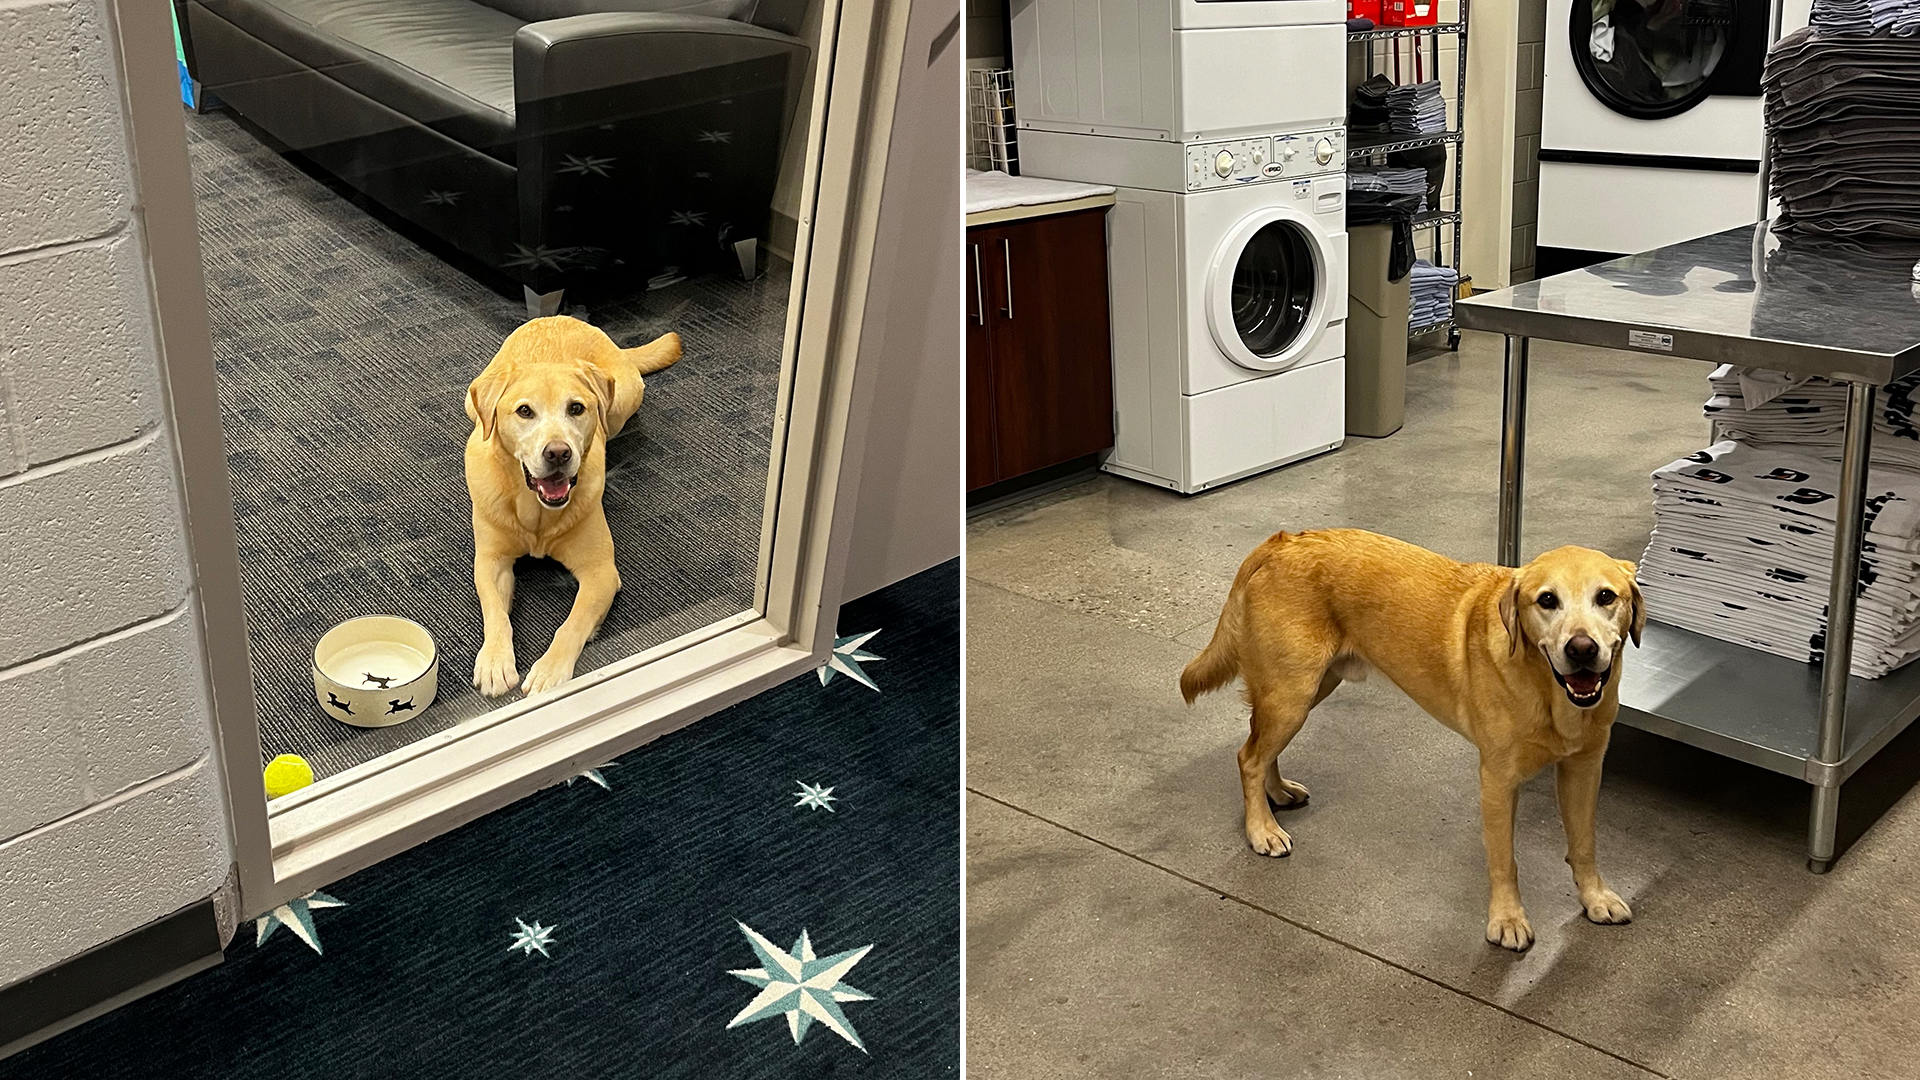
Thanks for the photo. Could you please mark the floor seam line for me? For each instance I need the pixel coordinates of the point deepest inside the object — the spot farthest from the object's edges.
(1321, 934)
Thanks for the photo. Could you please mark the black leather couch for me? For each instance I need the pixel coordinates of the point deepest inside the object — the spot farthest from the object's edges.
(551, 140)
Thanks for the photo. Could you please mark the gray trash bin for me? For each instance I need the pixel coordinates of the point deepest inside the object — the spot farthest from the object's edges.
(1376, 335)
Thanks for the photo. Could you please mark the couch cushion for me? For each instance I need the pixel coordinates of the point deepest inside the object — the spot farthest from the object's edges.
(446, 63)
(542, 10)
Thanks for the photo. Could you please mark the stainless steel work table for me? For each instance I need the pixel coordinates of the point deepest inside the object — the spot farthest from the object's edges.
(1744, 296)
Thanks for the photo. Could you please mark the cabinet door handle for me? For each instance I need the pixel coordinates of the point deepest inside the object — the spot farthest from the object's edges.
(979, 289)
(1006, 257)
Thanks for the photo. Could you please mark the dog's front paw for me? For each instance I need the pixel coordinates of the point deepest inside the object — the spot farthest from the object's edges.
(1510, 929)
(551, 671)
(494, 672)
(1268, 838)
(1605, 906)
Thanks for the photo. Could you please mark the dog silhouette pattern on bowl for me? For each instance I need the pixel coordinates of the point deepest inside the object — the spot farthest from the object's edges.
(375, 671)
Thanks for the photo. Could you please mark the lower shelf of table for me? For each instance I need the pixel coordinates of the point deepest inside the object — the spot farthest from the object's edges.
(1753, 706)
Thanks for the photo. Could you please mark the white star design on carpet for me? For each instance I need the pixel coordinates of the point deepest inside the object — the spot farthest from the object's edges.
(848, 653)
(297, 916)
(588, 166)
(815, 797)
(593, 774)
(443, 198)
(800, 986)
(716, 136)
(531, 939)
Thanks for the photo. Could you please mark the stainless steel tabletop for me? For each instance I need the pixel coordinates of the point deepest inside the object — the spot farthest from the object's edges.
(1794, 303)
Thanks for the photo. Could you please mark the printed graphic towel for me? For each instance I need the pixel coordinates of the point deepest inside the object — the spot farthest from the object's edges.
(1742, 551)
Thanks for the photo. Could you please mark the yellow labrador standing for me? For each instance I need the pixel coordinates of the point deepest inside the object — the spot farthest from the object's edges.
(542, 412)
(1525, 663)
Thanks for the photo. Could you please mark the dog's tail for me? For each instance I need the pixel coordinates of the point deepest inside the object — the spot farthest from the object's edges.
(1219, 663)
(656, 355)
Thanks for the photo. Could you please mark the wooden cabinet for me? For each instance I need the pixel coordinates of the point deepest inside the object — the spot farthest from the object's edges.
(1039, 357)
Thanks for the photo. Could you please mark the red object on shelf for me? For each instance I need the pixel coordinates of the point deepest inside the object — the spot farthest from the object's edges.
(1364, 9)
(1408, 12)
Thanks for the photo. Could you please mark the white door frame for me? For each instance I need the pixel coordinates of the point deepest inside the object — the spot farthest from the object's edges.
(350, 821)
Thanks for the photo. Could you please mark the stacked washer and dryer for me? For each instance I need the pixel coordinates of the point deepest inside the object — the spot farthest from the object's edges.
(1222, 124)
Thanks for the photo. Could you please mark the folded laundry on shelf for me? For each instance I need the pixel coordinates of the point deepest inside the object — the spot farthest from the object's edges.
(1381, 106)
(1391, 181)
(1742, 550)
(1807, 414)
(1431, 292)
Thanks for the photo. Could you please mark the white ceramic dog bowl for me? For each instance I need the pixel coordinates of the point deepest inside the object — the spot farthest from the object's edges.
(375, 671)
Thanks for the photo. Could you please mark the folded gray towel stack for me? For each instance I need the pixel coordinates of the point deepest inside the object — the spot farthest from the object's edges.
(1391, 181)
(1843, 118)
(1430, 295)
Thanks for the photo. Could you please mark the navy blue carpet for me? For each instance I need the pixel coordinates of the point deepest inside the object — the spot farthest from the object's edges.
(644, 886)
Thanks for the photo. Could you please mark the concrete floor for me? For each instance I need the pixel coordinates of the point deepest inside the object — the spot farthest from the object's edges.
(1119, 926)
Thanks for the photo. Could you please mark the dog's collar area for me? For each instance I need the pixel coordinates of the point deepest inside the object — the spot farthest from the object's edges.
(554, 492)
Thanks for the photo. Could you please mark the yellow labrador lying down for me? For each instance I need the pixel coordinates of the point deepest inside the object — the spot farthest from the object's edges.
(1525, 663)
(542, 413)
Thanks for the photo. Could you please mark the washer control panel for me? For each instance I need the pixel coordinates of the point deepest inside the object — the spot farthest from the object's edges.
(1268, 158)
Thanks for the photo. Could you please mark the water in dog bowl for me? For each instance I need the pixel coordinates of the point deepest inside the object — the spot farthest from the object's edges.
(373, 663)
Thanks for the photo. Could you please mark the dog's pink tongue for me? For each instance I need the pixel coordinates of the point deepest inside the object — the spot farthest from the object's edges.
(1584, 682)
(552, 488)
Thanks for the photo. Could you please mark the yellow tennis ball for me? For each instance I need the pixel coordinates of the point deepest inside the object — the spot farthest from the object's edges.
(287, 773)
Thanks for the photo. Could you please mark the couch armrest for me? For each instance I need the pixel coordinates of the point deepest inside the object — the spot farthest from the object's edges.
(585, 53)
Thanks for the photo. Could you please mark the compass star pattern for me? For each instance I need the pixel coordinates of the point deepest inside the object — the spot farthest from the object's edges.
(532, 939)
(848, 654)
(800, 986)
(588, 165)
(815, 797)
(297, 916)
(594, 775)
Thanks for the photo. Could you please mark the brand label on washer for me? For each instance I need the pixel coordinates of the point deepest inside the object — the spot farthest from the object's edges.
(1647, 339)
(1271, 169)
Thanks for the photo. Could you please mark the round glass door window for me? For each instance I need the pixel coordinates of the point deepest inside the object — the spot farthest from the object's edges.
(1273, 284)
(1650, 58)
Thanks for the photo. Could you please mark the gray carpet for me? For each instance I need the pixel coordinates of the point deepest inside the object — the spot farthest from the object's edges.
(344, 351)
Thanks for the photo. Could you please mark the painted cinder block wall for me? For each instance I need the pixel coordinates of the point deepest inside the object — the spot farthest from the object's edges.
(111, 812)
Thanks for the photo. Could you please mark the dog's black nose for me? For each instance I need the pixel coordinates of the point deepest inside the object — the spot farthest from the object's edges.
(557, 453)
(1583, 649)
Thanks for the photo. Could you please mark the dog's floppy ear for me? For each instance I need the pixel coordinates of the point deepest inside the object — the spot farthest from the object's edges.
(1639, 623)
(483, 400)
(1510, 614)
(602, 384)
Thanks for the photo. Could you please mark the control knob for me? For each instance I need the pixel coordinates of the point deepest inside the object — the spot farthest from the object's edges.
(1323, 150)
(1223, 163)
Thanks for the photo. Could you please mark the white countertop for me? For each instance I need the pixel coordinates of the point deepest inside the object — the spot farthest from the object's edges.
(995, 196)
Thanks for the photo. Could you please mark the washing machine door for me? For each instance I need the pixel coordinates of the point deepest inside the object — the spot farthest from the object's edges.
(1267, 289)
(1651, 59)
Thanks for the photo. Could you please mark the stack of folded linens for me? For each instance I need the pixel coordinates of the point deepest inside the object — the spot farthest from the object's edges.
(1742, 550)
(1843, 117)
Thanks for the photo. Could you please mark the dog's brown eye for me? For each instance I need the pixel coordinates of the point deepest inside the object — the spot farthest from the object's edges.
(575, 409)
(525, 412)
(1548, 600)
(1605, 597)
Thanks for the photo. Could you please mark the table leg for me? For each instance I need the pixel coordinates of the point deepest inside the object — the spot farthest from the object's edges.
(1849, 529)
(1513, 449)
